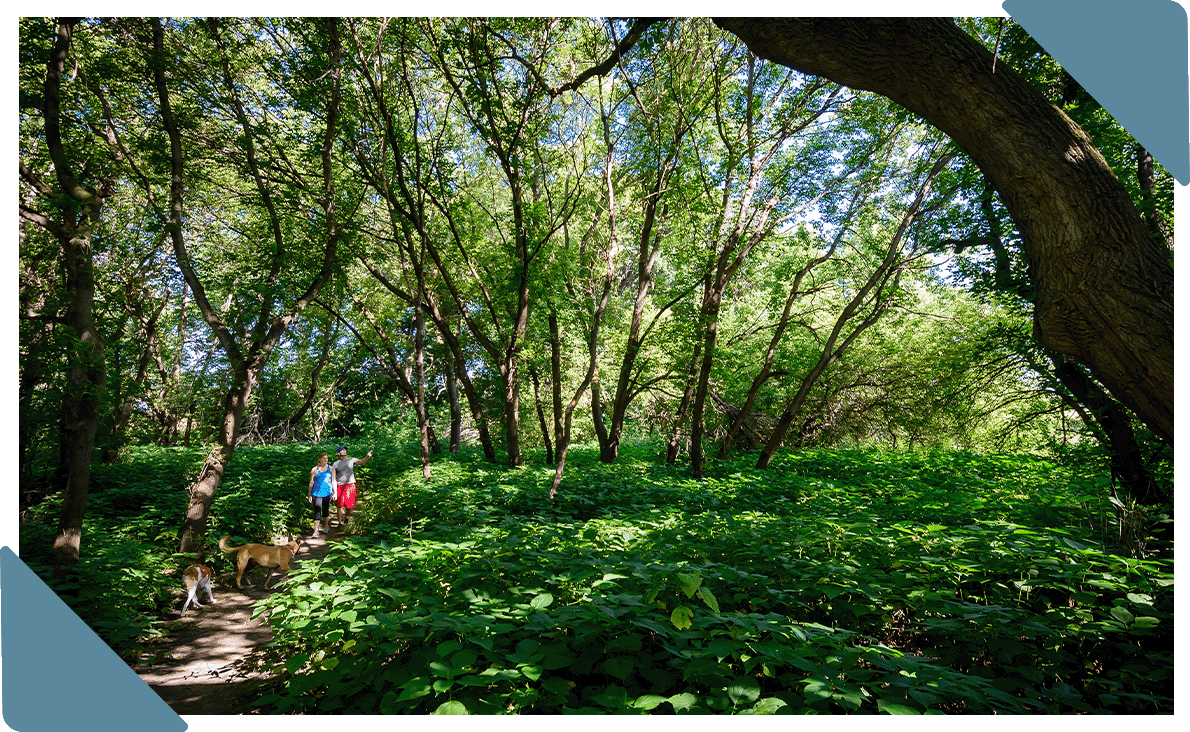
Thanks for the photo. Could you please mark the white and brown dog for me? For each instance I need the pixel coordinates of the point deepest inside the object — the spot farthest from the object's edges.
(196, 578)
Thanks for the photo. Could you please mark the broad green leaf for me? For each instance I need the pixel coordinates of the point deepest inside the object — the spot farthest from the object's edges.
(1121, 614)
(721, 648)
(295, 662)
(542, 601)
(557, 657)
(769, 705)
(689, 582)
(709, 599)
(651, 625)
(414, 688)
(613, 697)
(1065, 693)
(817, 690)
(683, 702)
(895, 707)
(743, 691)
(618, 666)
(464, 658)
(451, 707)
(681, 617)
(389, 703)
(648, 701)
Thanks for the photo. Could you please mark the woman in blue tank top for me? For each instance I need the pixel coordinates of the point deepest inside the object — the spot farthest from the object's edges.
(322, 485)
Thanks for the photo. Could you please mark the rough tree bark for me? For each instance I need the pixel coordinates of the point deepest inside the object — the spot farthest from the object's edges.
(1104, 286)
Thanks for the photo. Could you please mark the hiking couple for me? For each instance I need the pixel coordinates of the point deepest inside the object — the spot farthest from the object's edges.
(337, 479)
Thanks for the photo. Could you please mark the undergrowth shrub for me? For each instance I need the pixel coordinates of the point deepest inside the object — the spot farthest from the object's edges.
(127, 578)
(836, 582)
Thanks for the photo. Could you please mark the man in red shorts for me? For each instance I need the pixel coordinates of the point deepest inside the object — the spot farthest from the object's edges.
(345, 479)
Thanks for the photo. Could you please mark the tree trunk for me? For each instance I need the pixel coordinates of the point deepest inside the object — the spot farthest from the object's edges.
(456, 412)
(79, 208)
(646, 260)
(545, 428)
(312, 392)
(556, 375)
(1115, 424)
(870, 295)
(85, 382)
(510, 413)
(1104, 286)
(419, 375)
(710, 318)
(597, 414)
(674, 443)
(269, 326)
(202, 492)
(766, 367)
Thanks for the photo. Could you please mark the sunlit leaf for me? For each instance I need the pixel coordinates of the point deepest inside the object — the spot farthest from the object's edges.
(681, 617)
(709, 599)
(451, 707)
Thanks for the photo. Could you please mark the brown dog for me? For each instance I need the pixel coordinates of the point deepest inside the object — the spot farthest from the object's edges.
(262, 554)
(196, 578)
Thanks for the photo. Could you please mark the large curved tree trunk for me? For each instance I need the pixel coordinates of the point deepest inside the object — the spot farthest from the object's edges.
(1104, 285)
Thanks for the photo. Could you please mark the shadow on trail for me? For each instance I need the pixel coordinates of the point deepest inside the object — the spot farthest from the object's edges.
(199, 667)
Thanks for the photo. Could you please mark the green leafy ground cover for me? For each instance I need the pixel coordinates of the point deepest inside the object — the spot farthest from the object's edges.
(128, 572)
(857, 582)
(833, 583)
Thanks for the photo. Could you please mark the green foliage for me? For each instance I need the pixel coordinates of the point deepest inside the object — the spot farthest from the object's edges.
(128, 575)
(833, 583)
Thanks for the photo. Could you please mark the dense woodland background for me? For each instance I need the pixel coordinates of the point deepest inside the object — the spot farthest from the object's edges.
(496, 239)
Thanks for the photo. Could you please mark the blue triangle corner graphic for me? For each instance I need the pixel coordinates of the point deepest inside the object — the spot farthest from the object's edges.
(58, 674)
(1131, 56)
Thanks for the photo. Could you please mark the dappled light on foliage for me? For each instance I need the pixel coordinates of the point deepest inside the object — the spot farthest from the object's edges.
(707, 367)
(835, 582)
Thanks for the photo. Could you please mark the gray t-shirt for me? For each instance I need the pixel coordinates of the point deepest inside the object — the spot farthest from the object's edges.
(345, 470)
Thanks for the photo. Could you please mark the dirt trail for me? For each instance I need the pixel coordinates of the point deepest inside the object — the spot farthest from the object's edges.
(198, 668)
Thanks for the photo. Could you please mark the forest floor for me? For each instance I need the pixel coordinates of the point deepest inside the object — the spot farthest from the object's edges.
(199, 666)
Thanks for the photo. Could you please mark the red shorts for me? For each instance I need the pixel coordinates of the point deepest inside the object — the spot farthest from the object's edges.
(345, 495)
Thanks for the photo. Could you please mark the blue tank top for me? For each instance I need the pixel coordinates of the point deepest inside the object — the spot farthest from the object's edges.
(322, 483)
